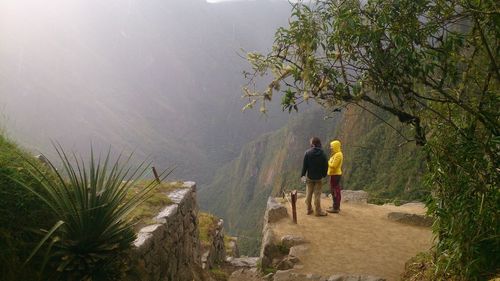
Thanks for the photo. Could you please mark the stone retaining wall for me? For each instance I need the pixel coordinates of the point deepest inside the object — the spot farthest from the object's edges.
(170, 248)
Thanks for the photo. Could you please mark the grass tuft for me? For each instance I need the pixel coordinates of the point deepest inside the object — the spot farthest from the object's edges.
(144, 214)
(207, 224)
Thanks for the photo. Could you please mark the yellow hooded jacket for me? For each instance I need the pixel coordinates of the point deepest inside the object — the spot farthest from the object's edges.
(335, 162)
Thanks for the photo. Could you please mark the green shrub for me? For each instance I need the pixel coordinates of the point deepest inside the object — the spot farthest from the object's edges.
(21, 214)
(464, 177)
(92, 203)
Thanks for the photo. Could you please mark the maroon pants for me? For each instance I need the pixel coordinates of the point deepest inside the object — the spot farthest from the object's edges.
(335, 190)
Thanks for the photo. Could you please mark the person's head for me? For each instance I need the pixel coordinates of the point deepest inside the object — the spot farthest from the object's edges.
(315, 142)
(335, 146)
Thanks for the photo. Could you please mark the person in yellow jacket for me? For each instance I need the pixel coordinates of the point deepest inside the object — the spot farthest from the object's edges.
(335, 173)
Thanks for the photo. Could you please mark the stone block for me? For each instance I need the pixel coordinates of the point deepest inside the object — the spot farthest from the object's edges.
(298, 251)
(354, 196)
(282, 275)
(143, 242)
(292, 240)
(284, 265)
(166, 213)
(410, 219)
(287, 263)
(244, 262)
(312, 276)
(189, 184)
(179, 195)
(274, 211)
(155, 229)
(269, 250)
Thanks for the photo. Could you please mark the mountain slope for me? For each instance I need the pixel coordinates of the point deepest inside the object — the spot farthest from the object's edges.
(266, 166)
(378, 159)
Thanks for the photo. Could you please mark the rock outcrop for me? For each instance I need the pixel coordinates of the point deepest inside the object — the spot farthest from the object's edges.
(269, 249)
(410, 219)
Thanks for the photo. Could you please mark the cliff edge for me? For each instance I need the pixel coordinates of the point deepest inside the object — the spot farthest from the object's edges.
(362, 242)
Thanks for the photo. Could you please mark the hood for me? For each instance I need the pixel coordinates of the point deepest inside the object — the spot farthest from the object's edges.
(335, 146)
(316, 150)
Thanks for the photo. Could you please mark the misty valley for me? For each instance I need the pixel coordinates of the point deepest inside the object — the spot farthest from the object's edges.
(224, 100)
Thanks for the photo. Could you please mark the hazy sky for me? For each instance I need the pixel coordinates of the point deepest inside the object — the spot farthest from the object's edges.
(160, 77)
(218, 1)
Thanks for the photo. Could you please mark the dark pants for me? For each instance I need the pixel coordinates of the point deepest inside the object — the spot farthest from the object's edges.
(335, 190)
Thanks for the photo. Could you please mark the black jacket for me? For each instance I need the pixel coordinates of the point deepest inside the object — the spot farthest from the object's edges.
(315, 164)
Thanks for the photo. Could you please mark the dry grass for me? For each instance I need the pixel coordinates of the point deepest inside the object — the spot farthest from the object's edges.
(143, 215)
(419, 268)
(228, 239)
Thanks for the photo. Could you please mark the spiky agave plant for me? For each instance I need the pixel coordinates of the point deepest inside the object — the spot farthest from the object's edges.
(91, 203)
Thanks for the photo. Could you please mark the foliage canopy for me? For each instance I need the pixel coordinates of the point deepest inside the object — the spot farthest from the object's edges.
(410, 58)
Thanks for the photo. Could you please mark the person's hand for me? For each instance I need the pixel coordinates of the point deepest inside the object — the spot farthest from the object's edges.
(303, 179)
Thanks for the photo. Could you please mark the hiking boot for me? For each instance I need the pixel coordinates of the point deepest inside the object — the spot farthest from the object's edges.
(309, 212)
(321, 214)
(330, 210)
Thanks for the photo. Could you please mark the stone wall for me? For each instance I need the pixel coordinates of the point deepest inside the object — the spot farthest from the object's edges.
(170, 248)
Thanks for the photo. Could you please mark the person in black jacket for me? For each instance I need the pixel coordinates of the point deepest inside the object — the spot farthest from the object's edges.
(314, 169)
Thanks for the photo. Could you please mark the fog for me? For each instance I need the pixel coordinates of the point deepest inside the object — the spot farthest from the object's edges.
(160, 77)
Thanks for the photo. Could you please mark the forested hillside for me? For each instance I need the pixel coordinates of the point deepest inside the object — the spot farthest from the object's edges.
(374, 162)
(378, 159)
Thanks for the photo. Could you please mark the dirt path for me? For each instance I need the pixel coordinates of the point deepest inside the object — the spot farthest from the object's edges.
(358, 240)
